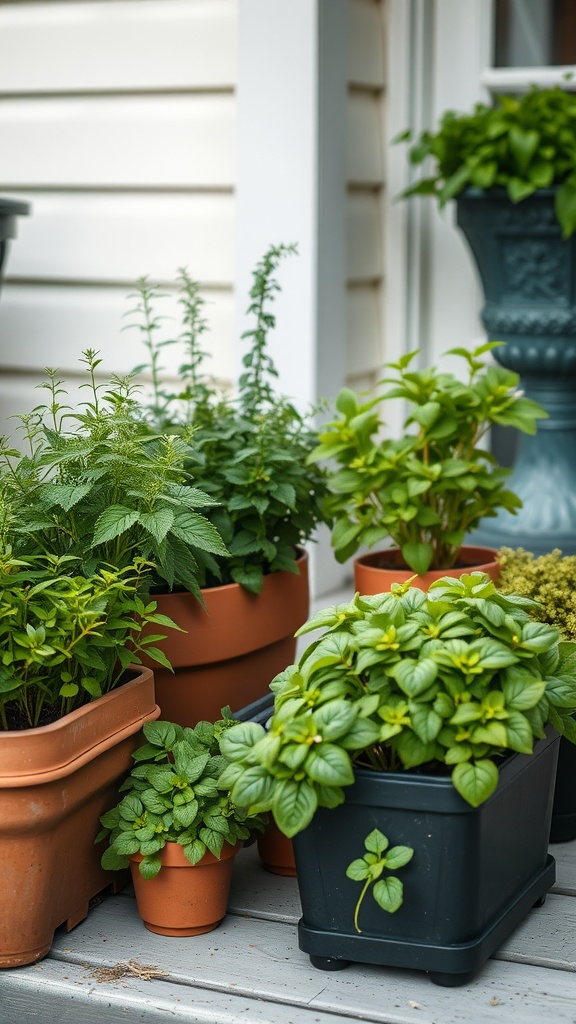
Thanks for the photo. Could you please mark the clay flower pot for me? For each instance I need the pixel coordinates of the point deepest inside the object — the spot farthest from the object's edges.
(232, 648)
(55, 782)
(276, 851)
(375, 573)
(184, 898)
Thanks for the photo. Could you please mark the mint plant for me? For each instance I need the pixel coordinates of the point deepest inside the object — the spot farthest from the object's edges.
(174, 794)
(95, 484)
(429, 489)
(521, 144)
(249, 450)
(389, 891)
(447, 681)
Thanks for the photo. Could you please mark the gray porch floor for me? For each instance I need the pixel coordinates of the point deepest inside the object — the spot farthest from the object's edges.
(250, 969)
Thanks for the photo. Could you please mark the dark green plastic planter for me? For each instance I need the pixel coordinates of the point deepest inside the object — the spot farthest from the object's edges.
(563, 827)
(474, 876)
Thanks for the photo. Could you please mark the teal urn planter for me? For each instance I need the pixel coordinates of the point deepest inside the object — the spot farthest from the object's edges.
(528, 273)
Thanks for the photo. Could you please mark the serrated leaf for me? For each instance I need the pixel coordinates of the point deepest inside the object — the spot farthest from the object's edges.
(113, 522)
(198, 532)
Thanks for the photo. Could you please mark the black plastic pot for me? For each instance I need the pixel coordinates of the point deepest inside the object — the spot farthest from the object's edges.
(563, 827)
(474, 876)
(9, 210)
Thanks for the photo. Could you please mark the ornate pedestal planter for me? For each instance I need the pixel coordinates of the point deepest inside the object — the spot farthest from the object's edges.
(528, 273)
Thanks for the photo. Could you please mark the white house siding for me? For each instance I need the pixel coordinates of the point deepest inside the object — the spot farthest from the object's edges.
(117, 121)
(365, 182)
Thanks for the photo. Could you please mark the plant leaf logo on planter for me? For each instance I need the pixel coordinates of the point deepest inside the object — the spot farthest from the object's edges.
(389, 891)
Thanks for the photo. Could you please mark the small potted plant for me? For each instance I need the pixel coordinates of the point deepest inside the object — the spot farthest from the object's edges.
(427, 717)
(250, 457)
(177, 828)
(432, 487)
(550, 581)
(73, 697)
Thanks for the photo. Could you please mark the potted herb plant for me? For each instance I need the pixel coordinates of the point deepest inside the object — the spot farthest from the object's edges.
(178, 829)
(91, 514)
(511, 168)
(550, 581)
(429, 717)
(250, 458)
(73, 697)
(433, 486)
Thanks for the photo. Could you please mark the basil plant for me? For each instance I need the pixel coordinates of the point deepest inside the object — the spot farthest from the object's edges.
(447, 681)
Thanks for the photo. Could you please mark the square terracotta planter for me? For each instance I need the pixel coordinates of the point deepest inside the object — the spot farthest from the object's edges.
(55, 782)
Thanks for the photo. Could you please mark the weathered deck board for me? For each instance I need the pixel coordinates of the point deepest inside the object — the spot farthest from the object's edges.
(250, 970)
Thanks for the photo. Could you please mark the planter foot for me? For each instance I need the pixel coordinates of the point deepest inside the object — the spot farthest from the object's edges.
(540, 901)
(329, 963)
(447, 980)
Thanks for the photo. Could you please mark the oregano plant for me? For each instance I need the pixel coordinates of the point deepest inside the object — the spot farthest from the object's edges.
(174, 794)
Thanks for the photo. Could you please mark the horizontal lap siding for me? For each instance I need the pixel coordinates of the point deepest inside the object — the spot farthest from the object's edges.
(117, 121)
(365, 177)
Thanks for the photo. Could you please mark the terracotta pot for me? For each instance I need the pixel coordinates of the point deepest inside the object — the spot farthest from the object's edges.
(375, 573)
(184, 898)
(55, 782)
(276, 851)
(233, 647)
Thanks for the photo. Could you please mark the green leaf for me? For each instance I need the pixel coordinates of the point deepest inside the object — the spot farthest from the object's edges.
(418, 556)
(157, 523)
(293, 806)
(414, 677)
(198, 532)
(389, 894)
(519, 733)
(565, 205)
(358, 871)
(113, 522)
(475, 781)
(376, 841)
(238, 742)
(329, 765)
(398, 856)
(523, 146)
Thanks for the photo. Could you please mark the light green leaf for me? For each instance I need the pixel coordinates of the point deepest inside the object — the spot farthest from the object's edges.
(475, 781)
(389, 894)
